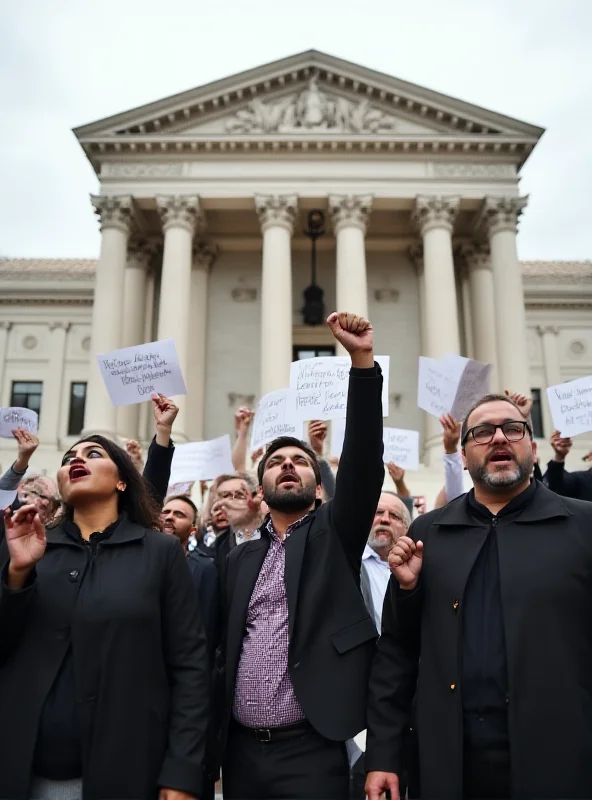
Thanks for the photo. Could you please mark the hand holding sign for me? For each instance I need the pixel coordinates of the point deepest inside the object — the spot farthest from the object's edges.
(14, 418)
(571, 406)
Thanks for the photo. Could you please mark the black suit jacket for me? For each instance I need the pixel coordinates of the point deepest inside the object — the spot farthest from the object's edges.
(205, 579)
(157, 470)
(332, 636)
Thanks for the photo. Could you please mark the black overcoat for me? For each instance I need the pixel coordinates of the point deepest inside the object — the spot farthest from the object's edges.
(140, 663)
(545, 562)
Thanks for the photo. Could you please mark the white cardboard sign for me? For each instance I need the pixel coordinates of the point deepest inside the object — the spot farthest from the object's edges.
(275, 417)
(571, 406)
(14, 417)
(401, 447)
(6, 497)
(451, 385)
(201, 461)
(133, 374)
(320, 386)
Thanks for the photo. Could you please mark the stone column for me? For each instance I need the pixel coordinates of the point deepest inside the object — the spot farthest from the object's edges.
(4, 331)
(552, 367)
(134, 310)
(277, 214)
(416, 255)
(349, 217)
(53, 388)
(180, 216)
(204, 255)
(478, 262)
(467, 312)
(434, 216)
(115, 214)
(145, 413)
(500, 218)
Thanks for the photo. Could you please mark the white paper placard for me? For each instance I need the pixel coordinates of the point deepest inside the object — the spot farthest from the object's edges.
(401, 447)
(15, 417)
(133, 374)
(337, 436)
(275, 417)
(320, 386)
(571, 406)
(201, 461)
(6, 497)
(451, 385)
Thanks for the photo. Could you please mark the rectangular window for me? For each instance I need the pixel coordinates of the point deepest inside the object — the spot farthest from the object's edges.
(77, 405)
(536, 414)
(310, 351)
(27, 394)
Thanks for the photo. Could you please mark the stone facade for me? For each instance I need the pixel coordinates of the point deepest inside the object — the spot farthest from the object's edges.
(203, 204)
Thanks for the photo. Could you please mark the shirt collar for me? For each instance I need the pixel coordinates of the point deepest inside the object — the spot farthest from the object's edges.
(271, 530)
(370, 553)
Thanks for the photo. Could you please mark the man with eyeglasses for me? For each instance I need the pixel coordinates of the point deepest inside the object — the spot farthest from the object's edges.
(487, 631)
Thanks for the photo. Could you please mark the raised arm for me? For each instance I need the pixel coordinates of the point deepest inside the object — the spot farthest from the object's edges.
(361, 471)
(160, 453)
(242, 424)
(27, 444)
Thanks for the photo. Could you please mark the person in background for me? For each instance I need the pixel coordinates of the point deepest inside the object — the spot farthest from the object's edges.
(243, 419)
(576, 484)
(157, 470)
(98, 621)
(238, 506)
(134, 451)
(27, 444)
(453, 464)
(489, 610)
(317, 435)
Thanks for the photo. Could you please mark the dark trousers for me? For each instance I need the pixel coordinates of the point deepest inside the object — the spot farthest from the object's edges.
(306, 767)
(487, 774)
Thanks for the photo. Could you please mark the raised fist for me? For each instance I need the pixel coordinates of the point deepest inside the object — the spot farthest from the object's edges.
(317, 433)
(356, 335)
(405, 562)
(561, 446)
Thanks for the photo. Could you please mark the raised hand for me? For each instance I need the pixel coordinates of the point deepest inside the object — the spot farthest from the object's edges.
(25, 538)
(451, 433)
(134, 451)
(397, 473)
(256, 455)
(27, 444)
(242, 420)
(377, 783)
(165, 412)
(523, 402)
(560, 446)
(317, 433)
(356, 335)
(405, 562)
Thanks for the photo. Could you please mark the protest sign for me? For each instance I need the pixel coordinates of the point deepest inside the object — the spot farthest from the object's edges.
(133, 374)
(14, 417)
(6, 497)
(320, 386)
(451, 385)
(201, 461)
(275, 417)
(401, 447)
(571, 406)
(337, 436)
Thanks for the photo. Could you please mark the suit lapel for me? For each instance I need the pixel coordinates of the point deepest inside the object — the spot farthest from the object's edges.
(241, 582)
(294, 556)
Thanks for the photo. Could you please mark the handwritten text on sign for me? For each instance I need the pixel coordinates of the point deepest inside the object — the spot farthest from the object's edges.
(401, 447)
(571, 406)
(201, 461)
(12, 418)
(320, 386)
(133, 374)
(275, 417)
(451, 385)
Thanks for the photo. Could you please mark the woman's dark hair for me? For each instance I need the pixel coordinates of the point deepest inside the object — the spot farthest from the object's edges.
(289, 441)
(136, 499)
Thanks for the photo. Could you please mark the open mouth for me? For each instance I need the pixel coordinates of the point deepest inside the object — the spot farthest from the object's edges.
(501, 457)
(78, 471)
(287, 480)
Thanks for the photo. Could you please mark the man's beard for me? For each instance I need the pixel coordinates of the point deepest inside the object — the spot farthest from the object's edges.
(296, 500)
(376, 543)
(504, 479)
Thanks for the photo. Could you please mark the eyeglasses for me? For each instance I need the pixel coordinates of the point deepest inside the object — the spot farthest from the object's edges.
(240, 496)
(513, 430)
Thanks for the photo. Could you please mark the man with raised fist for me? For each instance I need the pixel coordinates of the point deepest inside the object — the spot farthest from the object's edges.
(298, 639)
(487, 633)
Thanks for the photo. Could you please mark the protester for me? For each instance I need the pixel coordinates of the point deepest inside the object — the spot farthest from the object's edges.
(298, 639)
(27, 444)
(453, 463)
(134, 451)
(317, 435)
(42, 492)
(103, 661)
(238, 510)
(397, 475)
(242, 424)
(488, 635)
(569, 484)
(160, 453)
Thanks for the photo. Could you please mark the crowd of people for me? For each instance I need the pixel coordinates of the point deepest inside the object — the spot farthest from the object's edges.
(148, 645)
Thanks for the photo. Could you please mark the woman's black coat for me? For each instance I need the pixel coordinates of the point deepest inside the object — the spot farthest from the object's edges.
(140, 663)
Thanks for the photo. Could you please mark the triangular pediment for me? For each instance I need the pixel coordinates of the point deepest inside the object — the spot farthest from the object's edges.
(308, 93)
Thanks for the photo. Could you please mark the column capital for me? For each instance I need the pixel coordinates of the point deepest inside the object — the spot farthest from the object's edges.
(114, 212)
(350, 211)
(435, 212)
(59, 326)
(180, 211)
(204, 255)
(140, 253)
(416, 256)
(277, 209)
(501, 213)
(5, 326)
(476, 256)
(547, 329)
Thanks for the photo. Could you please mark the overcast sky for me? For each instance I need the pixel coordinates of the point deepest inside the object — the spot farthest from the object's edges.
(64, 63)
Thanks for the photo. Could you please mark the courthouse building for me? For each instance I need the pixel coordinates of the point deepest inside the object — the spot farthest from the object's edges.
(203, 206)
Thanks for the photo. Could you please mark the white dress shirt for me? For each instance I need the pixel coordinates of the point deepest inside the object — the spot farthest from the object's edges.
(379, 575)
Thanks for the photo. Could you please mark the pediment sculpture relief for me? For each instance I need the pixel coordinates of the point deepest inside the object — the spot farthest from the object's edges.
(310, 110)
